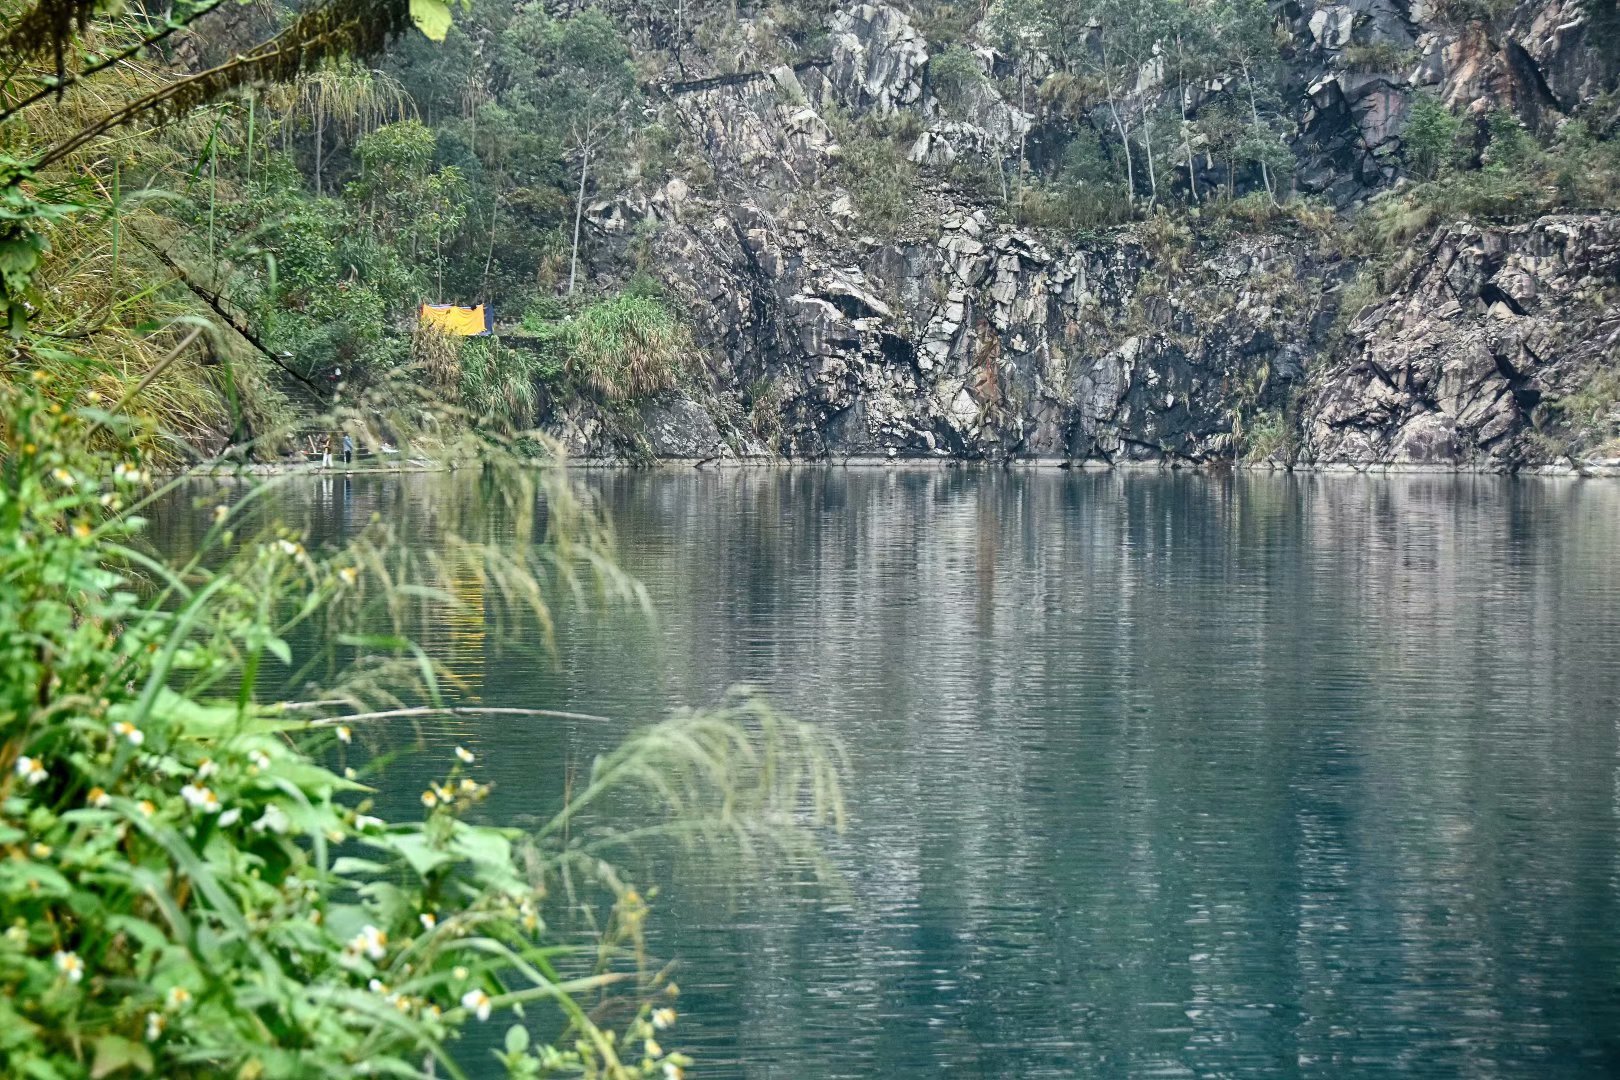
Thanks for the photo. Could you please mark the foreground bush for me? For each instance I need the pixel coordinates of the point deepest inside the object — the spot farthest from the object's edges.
(188, 891)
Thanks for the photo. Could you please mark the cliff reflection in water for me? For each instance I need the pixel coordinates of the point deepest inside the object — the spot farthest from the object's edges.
(1156, 774)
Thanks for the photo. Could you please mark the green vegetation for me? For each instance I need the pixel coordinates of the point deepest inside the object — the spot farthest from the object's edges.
(500, 385)
(1587, 422)
(191, 889)
(507, 163)
(619, 349)
(1266, 436)
(1379, 56)
(954, 74)
(196, 887)
(311, 219)
(1514, 177)
(1431, 138)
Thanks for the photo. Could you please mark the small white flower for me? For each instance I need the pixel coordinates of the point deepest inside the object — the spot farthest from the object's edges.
(259, 759)
(366, 821)
(200, 798)
(653, 1049)
(289, 548)
(663, 1018)
(377, 986)
(230, 817)
(274, 819)
(30, 770)
(429, 799)
(349, 575)
(98, 798)
(63, 477)
(129, 733)
(69, 964)
(477, 1002)
(673, 1071)
(371, 941)
(428, 920)
(178, 997)
(345, 734)
(220, 514)
(206, 769)
(126, 472)
(464, 754)
(155, 1023)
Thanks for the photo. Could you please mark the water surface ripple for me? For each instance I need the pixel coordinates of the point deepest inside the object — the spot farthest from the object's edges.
(1155, 775)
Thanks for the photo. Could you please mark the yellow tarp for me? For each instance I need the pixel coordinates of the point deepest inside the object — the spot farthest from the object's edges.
(460, 321)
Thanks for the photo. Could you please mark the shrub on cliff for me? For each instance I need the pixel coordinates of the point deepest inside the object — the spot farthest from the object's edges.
(621, 348)
(954, 74)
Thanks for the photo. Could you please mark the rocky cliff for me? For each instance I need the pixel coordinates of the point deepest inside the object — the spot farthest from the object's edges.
(1454, 368)
(1196, 337)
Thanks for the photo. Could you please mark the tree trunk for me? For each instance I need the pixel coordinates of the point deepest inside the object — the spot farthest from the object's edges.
(1124, 138)
(1023, 133)
(1254, 111)
(320, 127)
(489, 258)
(1186, 138)
(1125, 142)
(1147, 144)
(579, 214)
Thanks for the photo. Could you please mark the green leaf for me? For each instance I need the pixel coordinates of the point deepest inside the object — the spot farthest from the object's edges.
(517, 1039)
(432, 17)
(114, 1053)
(415, 850)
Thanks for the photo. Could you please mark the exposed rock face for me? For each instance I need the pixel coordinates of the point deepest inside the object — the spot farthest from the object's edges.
(1450, 370)
(984, 343)
(878, 58)
(967, 338)
(1543, 58)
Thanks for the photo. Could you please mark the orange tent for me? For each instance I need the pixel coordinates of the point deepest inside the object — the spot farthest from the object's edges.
(459, 321)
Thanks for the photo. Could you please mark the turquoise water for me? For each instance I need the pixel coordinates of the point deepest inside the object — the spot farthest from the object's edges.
(1155, 774)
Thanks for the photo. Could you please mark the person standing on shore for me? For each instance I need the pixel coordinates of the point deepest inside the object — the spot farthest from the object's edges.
(326, 452)
(348, 449)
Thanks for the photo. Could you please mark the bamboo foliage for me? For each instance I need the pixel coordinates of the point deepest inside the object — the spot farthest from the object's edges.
(345, 100)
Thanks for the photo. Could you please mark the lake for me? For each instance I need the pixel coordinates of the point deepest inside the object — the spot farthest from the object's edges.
(1155, 774)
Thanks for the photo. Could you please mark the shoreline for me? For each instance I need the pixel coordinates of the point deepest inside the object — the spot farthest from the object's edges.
(1585, 471)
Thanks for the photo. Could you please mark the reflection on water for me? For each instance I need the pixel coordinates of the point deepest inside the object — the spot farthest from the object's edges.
(1155, 774)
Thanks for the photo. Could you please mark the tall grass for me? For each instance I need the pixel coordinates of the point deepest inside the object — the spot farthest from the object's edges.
(620, 349)
(500, 384)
